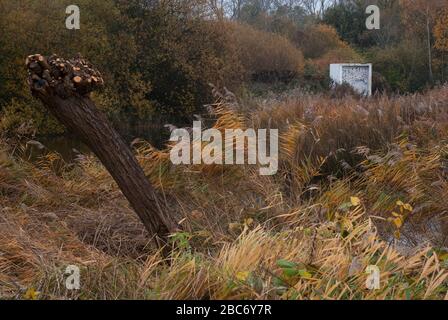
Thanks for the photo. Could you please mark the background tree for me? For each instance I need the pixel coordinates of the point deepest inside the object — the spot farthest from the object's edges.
(349, 19)
(419, 17)
(441, 31)
(441, 42)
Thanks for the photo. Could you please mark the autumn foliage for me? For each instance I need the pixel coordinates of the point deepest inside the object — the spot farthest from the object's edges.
(266, 54)
(441, 31)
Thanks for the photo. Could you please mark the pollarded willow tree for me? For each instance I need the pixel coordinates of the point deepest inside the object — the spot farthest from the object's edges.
(64, 86)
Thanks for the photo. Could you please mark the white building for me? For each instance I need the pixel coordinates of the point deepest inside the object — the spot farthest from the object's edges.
(359, 76)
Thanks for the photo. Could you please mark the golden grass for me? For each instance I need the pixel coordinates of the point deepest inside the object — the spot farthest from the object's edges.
(309, 232)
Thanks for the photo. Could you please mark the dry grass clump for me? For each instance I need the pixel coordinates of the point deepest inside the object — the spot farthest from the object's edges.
(361, 182)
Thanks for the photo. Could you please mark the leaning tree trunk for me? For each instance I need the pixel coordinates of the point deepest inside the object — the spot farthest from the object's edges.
(64, 86)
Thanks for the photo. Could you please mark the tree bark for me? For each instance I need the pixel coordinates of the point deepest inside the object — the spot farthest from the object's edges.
(428, 36)
(64, 86)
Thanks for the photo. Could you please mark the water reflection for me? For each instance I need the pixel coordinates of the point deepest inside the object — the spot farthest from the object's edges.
(69, 146)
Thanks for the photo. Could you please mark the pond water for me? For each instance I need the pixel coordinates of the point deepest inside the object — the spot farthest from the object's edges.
(69, 146)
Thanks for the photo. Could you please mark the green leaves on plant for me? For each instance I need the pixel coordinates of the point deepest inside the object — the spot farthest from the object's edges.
(293, 271)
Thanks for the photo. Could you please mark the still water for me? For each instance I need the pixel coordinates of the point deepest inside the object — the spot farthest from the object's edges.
(69, 146)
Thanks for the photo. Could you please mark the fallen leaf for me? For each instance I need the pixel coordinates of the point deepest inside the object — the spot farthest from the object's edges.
(248, 222)
(355, 201)
(305, 274)
(242, 275)
(31, 294)
(398, 222)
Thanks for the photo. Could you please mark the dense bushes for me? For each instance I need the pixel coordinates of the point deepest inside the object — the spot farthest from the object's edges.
(316, 40)
(159, 57)
(156, 62)
(267, 56)
(403, 65)
(180, 56)
(322, 46)
(30, 27)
